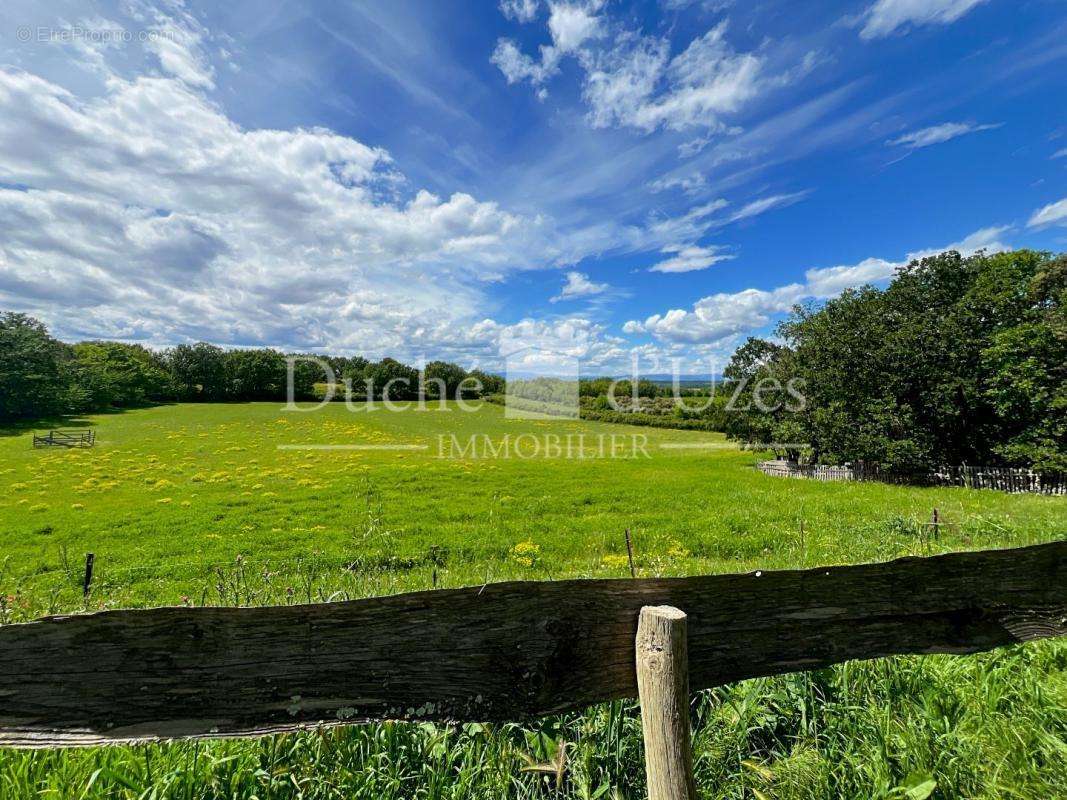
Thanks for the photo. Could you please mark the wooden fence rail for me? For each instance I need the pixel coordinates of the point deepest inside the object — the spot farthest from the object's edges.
(66, 438)
(499, 652)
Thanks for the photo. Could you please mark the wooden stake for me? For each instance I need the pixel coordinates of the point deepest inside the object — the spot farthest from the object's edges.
(630, 554)
(663, 686)
(87, 583)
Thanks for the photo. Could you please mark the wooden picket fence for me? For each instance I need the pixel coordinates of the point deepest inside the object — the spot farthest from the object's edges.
(819, 472)
(1005, 479)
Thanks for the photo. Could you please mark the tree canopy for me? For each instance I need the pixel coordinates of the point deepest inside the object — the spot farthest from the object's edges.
(31, 369)
(41, 376)
(960, 360)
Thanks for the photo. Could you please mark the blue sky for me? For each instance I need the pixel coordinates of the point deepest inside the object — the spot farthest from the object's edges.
(463, 180)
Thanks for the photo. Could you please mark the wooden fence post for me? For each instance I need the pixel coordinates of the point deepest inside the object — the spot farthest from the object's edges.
(663, 686)
(87, 582)
(630, 554)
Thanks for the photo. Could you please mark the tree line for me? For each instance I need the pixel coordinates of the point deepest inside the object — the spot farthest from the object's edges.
(959, 360)
(41, 377)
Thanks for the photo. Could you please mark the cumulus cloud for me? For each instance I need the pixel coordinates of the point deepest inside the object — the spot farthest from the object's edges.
(715, 318)
(718, 316)
(1052, 214)
(578, 285)
(830, 281)
(555, 346)
(887, 16)
(572, 24)
(937, 134)
(160, 219)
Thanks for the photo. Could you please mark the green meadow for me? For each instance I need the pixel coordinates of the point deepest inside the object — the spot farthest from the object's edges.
(249, 504)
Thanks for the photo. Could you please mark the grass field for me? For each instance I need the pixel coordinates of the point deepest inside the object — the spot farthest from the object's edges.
(199, 504)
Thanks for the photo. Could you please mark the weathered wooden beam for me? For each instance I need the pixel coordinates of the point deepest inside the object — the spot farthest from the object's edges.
(499, 652)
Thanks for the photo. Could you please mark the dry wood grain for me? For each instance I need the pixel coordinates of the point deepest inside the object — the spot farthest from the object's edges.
(663, 686)
(500, 652)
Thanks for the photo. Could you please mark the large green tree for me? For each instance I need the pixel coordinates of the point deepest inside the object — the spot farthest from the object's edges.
(959, 360)
(32, 382)
(443, 378)
(258, 374)
(198, 371)
(489, 382)
(399, 381)
(117, 374)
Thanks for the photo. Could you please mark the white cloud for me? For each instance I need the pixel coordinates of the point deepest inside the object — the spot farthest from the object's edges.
(519, 10)
(987, 239)
(688, 226)
(765, 204)
(632, 80)
(937, 134)
(619, 80)
(571, 24)
(679, 235)
(158, 218)
(830, 281)
(716, 318)
(636, 84)
(690, 184)
(178, 48)
(1052, 214)
(689, 258)
(706, 5)
(886, 16)
(517, 66)
(578, 285)
(547, 346)
(1060, 154)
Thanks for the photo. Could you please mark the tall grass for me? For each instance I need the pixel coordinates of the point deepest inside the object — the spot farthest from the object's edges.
(992, 725)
